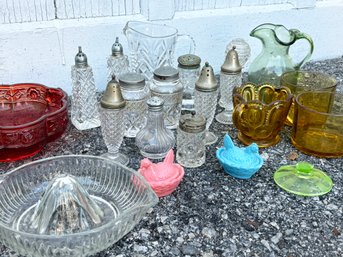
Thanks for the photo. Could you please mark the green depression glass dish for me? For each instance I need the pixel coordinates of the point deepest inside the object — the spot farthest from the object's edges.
(303, 179)
(70, 205)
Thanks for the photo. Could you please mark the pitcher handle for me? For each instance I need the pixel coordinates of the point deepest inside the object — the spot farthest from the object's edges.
(186, 38)
(301, 35)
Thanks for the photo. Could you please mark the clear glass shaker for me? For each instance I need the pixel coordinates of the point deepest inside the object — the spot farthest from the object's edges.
(155, 140)
(117, 62)
(136, 93)
(230, 77)
(84, 111)
(242, 48)
(191, 140)
(189, 70)
(112, 110)
(205, 99)
(166, 85)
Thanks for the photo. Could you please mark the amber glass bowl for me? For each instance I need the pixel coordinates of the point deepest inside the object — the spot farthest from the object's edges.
(31, 115)
(303, 81)
(260, 112)
(318, 124)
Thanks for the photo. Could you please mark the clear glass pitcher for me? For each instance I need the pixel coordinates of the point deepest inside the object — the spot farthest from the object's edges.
(274, 59)
(152, 45)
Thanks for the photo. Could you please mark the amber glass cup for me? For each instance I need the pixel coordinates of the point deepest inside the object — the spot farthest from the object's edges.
(303, 81)
(260, 112)
(318, 124)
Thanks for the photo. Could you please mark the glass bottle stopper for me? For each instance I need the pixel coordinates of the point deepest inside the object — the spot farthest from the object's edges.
(192, 123)
(117, 48)
(231, 64)
(133, 80)
(81, 59)
(189, 61)
(113, 98)
(207, 81)
(166, 73)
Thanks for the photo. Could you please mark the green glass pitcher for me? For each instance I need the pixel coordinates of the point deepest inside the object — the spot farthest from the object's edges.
(274, 59)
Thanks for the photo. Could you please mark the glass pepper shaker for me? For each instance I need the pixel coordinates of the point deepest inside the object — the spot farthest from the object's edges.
(189, 70)
(191, 140)
(112, 110)
(205, 99)
(230, 77)
(136, 93)
(117, 62)
(166, 85)
(84, 111)
(155, 140)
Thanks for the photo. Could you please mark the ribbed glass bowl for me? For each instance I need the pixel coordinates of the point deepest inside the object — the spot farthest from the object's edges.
(123, 194)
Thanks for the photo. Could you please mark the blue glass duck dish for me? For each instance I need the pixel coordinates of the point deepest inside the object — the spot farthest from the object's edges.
(238, 162)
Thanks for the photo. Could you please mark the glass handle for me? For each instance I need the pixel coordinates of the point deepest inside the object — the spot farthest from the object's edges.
(183, 42)
(300, 35)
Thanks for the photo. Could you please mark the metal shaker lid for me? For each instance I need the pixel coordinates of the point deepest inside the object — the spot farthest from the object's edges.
(192, 123)
(113, 98)
(117, 48)
(155, 104)
(166, 73)
(207, 81)
(189, 61)
(231, 64)
(132, 80)
(81, 59)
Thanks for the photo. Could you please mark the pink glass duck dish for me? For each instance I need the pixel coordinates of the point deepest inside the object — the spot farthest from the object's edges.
(163, 177)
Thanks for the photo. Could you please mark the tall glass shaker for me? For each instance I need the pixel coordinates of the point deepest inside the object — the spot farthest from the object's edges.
(135, 92)
(84, 111)
(155, 140)
(189, 70)
(230, 77)
(166, 85)
(117, 62)
(112, 110)
(191, 140)
(205, 99)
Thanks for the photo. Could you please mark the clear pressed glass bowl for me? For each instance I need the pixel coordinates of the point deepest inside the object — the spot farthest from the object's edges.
(121, 193)
(31, 116)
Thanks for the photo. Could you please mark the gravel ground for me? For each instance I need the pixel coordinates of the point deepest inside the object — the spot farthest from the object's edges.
(212, 214)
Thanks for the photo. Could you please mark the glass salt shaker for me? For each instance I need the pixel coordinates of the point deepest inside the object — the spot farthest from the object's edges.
(205, 99)
(84, 111)
(166, 85)
(112, 110)
(189, 70)
(155, 140)
(242, 48)
(230, 77)
(117, 62)
(191, 140)
(136, 93)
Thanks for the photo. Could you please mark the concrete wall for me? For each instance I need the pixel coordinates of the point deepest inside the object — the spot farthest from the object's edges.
(44, 51)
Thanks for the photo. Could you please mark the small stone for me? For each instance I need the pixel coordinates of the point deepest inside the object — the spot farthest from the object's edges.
(179, 240)
(190, 250)
(207, 254)
(264, 156)
(293, 156)
(275, 239)
(209, 232)
(289, 232)
(140, 248)
(191, 235)
(336, 232)
(331, 207)
(274, 224)
(250, 225)
(266, 244)
(154, 253)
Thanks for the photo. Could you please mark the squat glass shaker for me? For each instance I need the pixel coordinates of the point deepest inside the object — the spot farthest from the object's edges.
(189, 70)
(191, 140)
(136, 93)
(155, 140)
(166, 85)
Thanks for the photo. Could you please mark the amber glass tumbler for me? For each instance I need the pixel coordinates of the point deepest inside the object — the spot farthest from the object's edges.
(303, 81)
(260, 112)
(318, 124)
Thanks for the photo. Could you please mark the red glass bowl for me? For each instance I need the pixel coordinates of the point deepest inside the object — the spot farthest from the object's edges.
(31, 115)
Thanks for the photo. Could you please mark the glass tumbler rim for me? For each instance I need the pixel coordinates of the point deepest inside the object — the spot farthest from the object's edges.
(285, 78)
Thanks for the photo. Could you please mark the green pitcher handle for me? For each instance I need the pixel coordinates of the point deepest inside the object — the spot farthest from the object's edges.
(300, 35)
